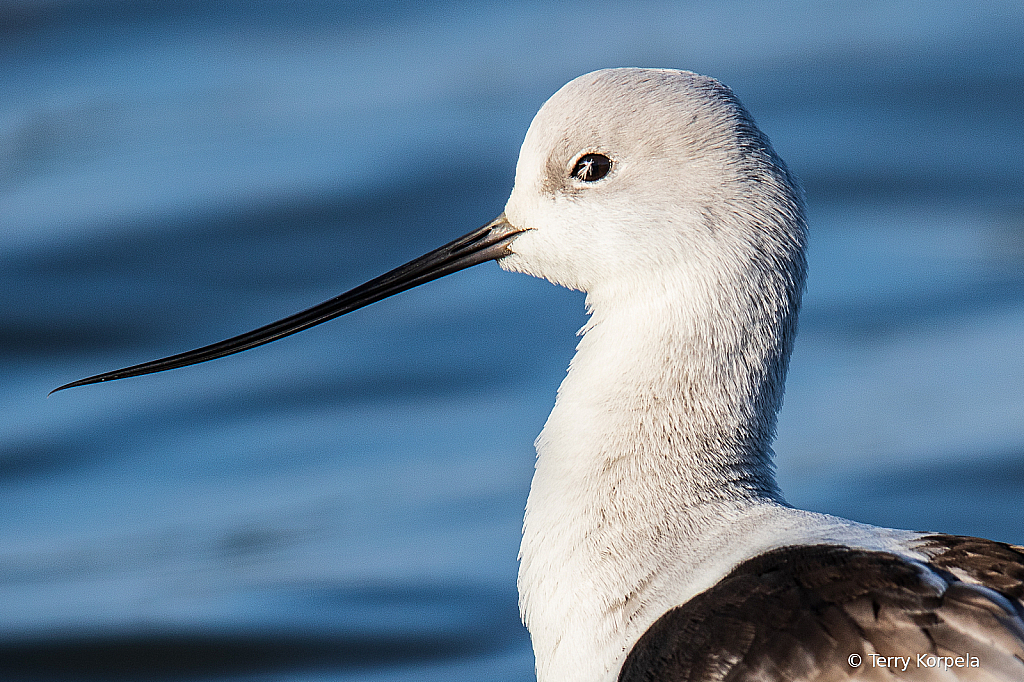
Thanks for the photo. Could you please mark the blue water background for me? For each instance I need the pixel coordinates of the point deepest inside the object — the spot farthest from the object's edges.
(346, 504)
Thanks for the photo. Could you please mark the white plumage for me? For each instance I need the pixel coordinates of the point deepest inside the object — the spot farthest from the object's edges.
(655, 536)
(654, 474)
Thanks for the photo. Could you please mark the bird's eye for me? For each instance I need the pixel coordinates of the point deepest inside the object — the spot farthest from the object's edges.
(591, 167)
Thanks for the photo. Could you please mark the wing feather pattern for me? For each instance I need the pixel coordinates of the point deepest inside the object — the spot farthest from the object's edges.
(800, 613)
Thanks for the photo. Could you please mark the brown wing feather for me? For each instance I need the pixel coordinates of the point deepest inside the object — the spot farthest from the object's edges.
(798, 613)
(979, 561)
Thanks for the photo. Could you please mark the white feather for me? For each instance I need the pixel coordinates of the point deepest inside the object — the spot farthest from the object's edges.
(654, 473)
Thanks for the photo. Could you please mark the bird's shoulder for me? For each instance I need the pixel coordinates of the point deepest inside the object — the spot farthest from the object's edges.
(828, 612)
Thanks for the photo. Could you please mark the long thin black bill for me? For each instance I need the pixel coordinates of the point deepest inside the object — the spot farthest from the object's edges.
(489, 242)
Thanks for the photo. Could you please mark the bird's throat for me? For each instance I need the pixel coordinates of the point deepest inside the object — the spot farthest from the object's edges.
(652, 445)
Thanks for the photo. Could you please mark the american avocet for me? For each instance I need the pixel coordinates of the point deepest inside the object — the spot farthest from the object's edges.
(656, 544)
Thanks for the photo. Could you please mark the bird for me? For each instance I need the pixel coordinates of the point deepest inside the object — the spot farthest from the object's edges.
(657, 545)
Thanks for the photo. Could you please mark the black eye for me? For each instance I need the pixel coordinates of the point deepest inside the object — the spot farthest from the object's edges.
(591, 167)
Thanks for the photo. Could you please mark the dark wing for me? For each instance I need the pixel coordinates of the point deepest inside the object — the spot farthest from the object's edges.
(979, 562)
(803, 613)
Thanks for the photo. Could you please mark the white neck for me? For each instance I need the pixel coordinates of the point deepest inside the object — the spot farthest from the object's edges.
(654, 452)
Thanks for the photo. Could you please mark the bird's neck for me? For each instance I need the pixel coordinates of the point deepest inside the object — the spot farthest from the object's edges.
(659, 438)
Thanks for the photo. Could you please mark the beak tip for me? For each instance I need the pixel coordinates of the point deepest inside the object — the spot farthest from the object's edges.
(73, 384)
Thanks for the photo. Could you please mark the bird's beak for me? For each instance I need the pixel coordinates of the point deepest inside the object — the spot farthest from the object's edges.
(489, 242)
